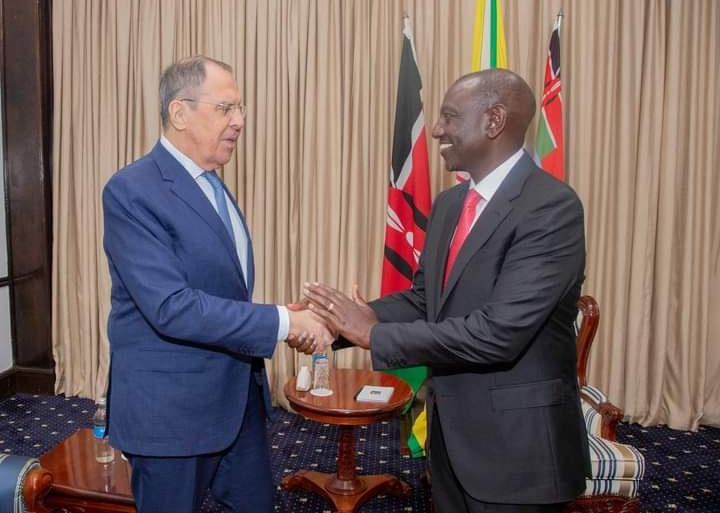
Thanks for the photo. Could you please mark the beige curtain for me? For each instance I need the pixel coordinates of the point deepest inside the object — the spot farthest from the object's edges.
(642, 113)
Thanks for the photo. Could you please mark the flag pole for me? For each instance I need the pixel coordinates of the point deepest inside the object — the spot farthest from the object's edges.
(408, 195)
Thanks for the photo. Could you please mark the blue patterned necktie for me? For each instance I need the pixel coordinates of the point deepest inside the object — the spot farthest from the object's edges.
(220, 201)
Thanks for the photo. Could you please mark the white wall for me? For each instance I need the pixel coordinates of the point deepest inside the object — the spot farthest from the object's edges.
(6, 358)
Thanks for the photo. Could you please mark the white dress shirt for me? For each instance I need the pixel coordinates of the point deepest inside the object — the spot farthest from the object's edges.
(488, 186)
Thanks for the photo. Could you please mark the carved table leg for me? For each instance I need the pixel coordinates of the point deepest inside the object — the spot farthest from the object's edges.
(345, 481)
(345, 489)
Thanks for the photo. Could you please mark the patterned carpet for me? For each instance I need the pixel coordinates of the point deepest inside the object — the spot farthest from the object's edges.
(32, 424)
(683, 468)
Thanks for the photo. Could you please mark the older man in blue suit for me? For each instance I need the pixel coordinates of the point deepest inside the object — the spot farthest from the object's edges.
(188, 392)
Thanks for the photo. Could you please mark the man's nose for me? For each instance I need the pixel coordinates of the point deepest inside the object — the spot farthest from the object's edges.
(437, 131)
(237, 120)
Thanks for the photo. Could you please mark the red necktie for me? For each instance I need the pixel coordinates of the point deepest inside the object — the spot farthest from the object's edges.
(467, 216)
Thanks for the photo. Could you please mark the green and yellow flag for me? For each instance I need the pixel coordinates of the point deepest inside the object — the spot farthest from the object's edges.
(488, 51)
(489, 48)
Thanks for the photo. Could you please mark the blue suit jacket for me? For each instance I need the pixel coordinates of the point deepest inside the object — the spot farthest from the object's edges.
(183, 332)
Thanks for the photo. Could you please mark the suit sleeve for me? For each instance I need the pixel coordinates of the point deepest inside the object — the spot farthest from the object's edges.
(543, 262)
(150, 277)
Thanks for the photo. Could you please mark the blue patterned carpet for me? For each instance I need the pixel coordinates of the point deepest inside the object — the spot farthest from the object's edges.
(683, 468)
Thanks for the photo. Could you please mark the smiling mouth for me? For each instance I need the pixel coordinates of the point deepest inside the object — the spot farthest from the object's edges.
(445, 146)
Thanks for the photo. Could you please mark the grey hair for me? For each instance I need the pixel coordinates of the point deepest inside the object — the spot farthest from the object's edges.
(184, 76)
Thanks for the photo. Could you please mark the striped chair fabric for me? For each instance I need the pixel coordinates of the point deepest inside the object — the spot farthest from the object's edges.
(616, 468)
(593, 419)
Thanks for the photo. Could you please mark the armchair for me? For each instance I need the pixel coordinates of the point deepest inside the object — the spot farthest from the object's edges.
(23, 485)
(617, 468)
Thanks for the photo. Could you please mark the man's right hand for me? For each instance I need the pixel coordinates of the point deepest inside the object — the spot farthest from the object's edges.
(308, 333)
(351, 318)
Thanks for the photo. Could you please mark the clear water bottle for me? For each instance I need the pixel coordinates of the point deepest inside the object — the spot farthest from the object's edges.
(321, 375)
(104, 453)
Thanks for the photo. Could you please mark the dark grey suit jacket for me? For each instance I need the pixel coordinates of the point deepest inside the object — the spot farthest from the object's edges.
(499, 339)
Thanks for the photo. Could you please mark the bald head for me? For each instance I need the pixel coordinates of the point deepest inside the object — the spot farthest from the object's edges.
(483, 120)
(501, 86)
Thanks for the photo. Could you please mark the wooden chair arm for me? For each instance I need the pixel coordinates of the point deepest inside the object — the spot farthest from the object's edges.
(37, 485)
(610, 416)
(603, 504)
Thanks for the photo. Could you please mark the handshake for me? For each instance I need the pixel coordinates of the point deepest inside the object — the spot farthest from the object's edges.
(324, 314)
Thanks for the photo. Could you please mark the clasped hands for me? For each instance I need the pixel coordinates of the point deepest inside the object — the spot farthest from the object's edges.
(326, 313)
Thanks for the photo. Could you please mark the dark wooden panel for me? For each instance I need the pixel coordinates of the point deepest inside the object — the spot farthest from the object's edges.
(27, 100)
(28, 380)
(7, 383)
(34, 380)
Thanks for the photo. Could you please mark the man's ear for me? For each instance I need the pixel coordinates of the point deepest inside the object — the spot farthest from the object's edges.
(177, 114)
(496, 119)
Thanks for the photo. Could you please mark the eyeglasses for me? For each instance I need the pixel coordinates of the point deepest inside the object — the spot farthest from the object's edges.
(227, 109)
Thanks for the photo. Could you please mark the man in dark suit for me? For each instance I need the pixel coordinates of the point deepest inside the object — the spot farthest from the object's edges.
(188, 393)
(490, 312)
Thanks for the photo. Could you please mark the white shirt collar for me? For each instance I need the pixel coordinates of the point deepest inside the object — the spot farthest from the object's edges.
(488, 186)
(186, 162)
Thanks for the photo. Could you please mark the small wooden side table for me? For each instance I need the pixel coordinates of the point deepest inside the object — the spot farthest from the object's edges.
(344, 488)
(81, 484)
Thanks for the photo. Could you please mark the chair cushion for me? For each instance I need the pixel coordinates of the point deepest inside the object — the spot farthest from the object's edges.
(13, 470)
(616, 468)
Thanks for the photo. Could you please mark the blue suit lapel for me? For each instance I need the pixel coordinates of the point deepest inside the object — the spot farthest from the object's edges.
(184, 187)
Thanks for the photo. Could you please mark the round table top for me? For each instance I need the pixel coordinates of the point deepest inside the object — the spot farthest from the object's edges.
(341, 407)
